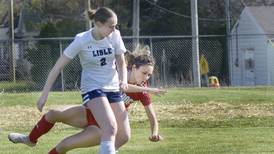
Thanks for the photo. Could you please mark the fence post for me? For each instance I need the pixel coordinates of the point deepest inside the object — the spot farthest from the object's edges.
(62, 72)
(135, 22)
(164, 62)
(195, 44)
(13, 58)
(228, 40)
(151, 50)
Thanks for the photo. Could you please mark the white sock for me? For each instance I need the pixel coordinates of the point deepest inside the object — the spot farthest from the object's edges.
(107, 147)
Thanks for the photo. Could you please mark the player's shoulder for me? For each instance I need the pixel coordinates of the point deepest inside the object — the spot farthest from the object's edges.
(83, 36)
(115, 34)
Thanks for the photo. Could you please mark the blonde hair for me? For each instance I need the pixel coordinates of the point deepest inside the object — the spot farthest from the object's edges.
(140, 56)
(141, 50)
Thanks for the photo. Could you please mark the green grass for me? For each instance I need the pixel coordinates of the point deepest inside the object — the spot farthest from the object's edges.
(177, 141)
(15, 86)
(30, 98)
(192, 120)
(225, 95)
(257, 95)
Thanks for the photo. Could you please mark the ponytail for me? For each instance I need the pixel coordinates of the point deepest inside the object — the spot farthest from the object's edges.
(91, 14)
(102, 14)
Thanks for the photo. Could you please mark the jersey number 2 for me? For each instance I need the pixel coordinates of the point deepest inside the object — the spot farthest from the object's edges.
(103, 61)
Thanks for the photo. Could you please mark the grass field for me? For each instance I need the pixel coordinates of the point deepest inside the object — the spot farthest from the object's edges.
(194, 121)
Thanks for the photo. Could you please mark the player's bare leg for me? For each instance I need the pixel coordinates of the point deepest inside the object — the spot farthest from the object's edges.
(90, 136)
(123, 133)
(74, 116)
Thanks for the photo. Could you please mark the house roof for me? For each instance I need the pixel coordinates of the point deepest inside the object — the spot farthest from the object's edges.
(264, 16)
(26, 23)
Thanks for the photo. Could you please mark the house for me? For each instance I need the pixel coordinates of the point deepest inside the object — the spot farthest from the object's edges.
(251, 57)
(26, 26)
(4, 48)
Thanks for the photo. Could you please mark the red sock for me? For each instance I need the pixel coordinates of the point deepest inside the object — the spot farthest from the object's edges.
(53, 151)
(42, 127)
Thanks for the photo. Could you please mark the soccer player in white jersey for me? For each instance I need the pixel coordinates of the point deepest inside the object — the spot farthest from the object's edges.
(140, 66)
(99, 49)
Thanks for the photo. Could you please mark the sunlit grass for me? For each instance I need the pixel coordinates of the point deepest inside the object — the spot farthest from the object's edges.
(192, 120)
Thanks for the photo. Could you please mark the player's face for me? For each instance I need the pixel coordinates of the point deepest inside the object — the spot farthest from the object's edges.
(108, 27)
(142, 74)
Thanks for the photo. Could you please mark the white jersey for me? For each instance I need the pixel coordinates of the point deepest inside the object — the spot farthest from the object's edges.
(97, 59)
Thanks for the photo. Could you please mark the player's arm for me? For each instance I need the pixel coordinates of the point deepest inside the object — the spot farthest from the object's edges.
(122, 71)
(59, 65)
(134, 89)
(154, 137)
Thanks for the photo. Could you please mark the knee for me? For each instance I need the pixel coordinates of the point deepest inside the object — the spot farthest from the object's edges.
(53, 115)
(63, 147)
(122, 140)
(110, 130)
(126, 138)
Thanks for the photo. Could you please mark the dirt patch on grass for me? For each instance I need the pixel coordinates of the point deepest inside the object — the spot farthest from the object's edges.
(26, 117)
(205, 111)
(17, 117)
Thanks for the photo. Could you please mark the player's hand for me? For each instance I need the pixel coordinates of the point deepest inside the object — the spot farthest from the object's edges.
(123, 86)
(158, 91)
(41, 102)
(155, 138)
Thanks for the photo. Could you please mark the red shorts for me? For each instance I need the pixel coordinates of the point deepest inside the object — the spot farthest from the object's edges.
(90, 119)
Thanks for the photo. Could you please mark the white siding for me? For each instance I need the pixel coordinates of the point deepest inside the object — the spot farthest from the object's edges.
(270, 52)
(261, 60)
(247, 25)
(235, 72)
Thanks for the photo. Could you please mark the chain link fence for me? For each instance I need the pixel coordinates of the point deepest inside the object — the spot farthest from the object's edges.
(173, 56)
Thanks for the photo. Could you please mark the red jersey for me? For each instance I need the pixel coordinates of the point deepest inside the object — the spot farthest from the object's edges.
(143, 97)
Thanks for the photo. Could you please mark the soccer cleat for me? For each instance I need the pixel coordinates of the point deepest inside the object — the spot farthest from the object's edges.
(20, 138)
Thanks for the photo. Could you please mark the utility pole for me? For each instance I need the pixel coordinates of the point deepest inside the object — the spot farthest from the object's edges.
(228, 38)
(88, 21)
(12, 51)
(195, 44)
(136, 22)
